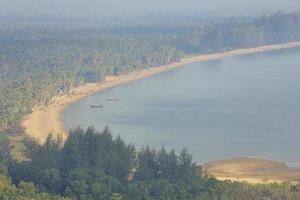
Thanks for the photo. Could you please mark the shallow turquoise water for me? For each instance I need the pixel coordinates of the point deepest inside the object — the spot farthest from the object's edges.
(242, 106)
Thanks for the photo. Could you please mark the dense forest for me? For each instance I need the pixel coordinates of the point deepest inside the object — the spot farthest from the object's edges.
(94, 165)
(38, 62)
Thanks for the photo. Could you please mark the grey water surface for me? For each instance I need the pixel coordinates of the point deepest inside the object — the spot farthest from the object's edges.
(241, 106)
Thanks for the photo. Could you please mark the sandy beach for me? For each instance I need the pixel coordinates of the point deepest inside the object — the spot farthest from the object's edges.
(253, 171)
(45, 120)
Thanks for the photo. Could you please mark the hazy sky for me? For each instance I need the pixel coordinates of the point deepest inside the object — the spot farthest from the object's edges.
(109, 8)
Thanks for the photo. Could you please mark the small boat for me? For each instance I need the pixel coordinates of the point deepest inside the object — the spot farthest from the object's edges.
(96, 106)
(112, 99)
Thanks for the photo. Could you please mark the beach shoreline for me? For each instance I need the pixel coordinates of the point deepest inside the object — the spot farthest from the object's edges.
(49, 119)
(253, 171)
(45, 120)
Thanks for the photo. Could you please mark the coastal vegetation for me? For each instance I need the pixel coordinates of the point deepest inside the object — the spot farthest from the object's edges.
(94, 165)
(39, 62)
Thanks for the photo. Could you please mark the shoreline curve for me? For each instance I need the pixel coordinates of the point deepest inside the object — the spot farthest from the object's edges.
(49, 119)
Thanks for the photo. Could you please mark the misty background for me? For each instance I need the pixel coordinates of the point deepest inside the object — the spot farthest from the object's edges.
(95, 9)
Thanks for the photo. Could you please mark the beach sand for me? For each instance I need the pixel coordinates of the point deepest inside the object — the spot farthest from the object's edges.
(45, 120)
(252, 170)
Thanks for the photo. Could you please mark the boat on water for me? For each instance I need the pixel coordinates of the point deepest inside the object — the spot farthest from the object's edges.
(113, 99)
(96, 106)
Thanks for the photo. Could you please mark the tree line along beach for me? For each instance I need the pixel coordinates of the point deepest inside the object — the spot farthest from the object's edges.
(49, 119)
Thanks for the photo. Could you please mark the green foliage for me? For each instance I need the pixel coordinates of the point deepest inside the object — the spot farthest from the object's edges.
(94, 165)
(169, 166)
(4, 153)
(90, 165)
(24, 191)
(37, 62)
(86, 184)
(98, 151)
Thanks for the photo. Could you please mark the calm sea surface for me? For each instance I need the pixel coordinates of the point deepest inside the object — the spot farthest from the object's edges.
(242, 106)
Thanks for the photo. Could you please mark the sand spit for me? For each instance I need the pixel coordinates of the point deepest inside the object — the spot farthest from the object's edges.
(253, 171)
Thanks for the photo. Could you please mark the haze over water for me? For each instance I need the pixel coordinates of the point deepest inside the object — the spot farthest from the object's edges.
(242, 106)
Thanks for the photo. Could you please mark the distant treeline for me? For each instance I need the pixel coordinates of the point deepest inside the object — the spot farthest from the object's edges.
(39, 62)
(93, 165)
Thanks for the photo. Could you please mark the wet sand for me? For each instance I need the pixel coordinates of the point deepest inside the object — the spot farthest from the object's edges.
(253, 171)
